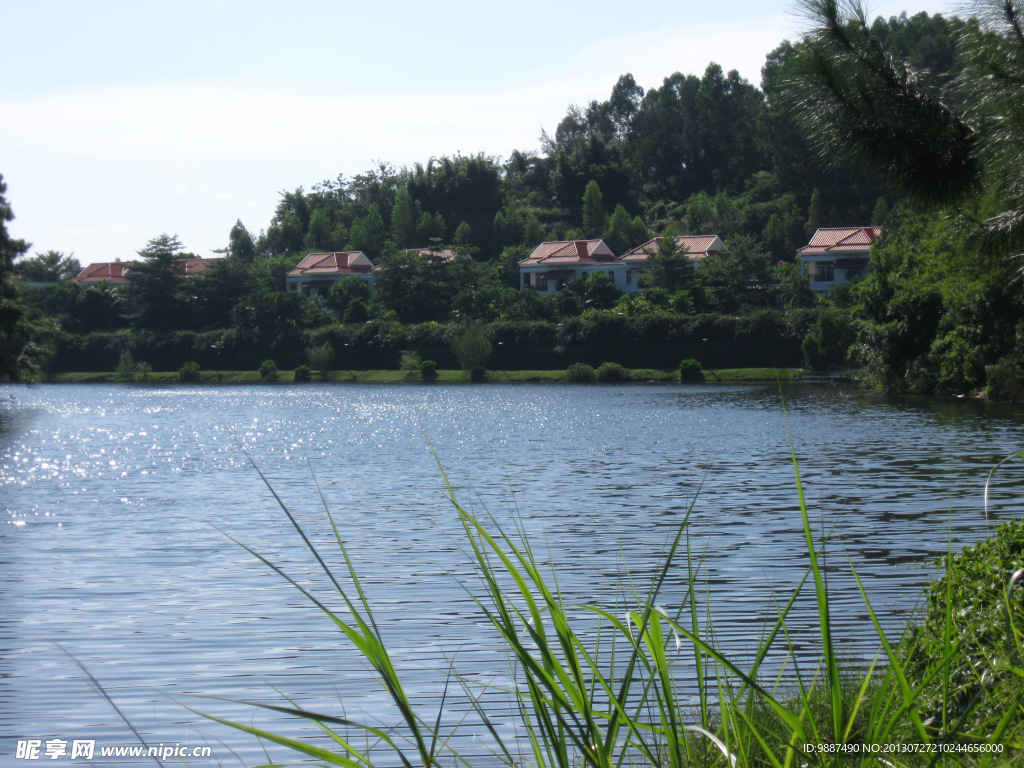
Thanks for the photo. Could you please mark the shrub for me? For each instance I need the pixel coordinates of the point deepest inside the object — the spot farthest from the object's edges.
(580, 372)
(142, 371)
(478, 373)
(428, 370)
(472, 348)
(978, 682)
(691, 370)
(125, 370)
(612, 372)
(303, 373)
(1004, 380)
(268, 371)
(320, 358)
(410, 361)
(189, 371)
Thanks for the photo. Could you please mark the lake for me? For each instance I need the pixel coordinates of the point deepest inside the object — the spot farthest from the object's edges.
(120, 501)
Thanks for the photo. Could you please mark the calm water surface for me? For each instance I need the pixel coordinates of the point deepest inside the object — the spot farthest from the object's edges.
(114, 495)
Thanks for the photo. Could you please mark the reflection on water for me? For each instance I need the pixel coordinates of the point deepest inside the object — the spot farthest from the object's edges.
(111, 495)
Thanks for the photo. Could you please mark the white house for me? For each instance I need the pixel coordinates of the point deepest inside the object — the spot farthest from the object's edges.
(697, 247)
(318, 272)
(552, 265)
(837, 255)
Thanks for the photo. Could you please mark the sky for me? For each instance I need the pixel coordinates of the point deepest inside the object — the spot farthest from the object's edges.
(120, 121)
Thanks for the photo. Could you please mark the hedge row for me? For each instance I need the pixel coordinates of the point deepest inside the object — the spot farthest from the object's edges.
(760, 339)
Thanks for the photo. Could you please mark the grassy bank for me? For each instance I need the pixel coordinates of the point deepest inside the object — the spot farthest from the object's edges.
(725, 375)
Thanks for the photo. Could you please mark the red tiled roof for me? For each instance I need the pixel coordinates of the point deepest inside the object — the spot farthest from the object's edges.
(195, 266)
(103, 271)
(571, 251)
(119, 272)
(339, 263)
(842, 240)
(696, 247)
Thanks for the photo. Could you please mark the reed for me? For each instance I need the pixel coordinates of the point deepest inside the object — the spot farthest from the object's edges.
(582, 699)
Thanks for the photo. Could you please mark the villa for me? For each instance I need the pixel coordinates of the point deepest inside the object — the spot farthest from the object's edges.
(119, 272)
(837, 255)
(552, 265)
(696, 247)
(316, 274)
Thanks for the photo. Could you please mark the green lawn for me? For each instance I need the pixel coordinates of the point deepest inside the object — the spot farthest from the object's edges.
(726, 375)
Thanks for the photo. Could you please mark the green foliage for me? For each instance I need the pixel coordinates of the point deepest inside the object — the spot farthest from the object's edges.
(478, 373)
(268, 371)
(580, 372)
(409, 361)
(612, 372)
(368, 233)
(49, 267)
(156, 281)
(623, 233)
(428, 370)
(303, 373)
(595, 219)
(189, 372)
(403, 219)
(240, 243)
(321, 358)
(357, 312)
(1004, 379)
(463, 234)
(691, 370)
(345, 292)
(472, 348)
(19, 356)
(827, 344)
(125, 370)
(978, 609)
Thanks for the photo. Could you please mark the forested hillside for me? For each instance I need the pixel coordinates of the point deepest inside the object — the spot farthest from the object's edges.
(761, 165)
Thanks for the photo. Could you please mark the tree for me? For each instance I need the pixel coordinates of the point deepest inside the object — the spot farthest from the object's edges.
(623, 233)
(49, 267)
(320, 235)
(18, 357)
(669, 267)
(155, 281)
(472, 348)
(345, 292)
(463, 233)
(430, 227)
(595, 220)
(240, 244)
(814, 215)
(403, 219)
(368, 233)
(863, 108)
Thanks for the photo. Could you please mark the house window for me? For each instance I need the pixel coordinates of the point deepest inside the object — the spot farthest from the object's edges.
(611, 278)
(824, 272)
(560, 284)
(853, 273)
(526, 280)
(629, 278)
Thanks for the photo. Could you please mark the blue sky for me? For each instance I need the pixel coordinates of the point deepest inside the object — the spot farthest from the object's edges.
(122, 120)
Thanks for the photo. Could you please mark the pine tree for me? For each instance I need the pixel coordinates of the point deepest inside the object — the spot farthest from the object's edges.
(595, 220)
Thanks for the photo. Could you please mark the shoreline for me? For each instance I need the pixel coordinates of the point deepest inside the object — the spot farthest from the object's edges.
(639, 376)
